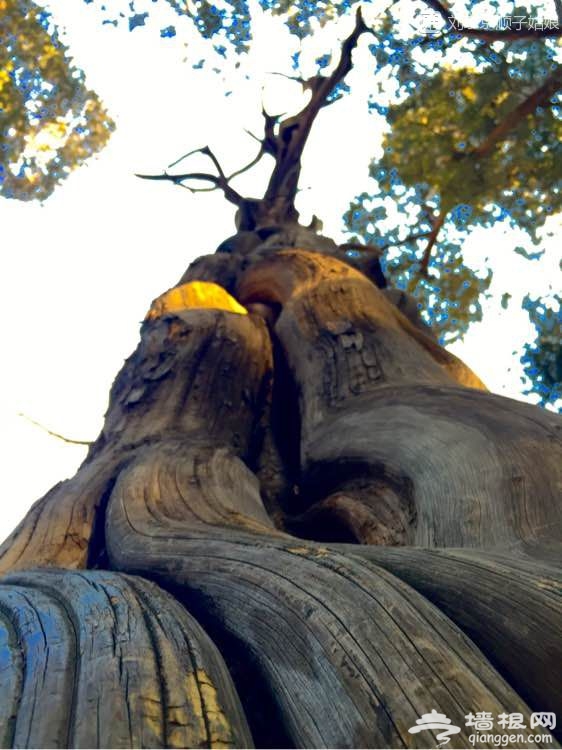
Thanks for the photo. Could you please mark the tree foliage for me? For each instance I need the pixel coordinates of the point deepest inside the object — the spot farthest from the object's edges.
(542, 358)
(467, 145)
(227, 24)
(50, 122)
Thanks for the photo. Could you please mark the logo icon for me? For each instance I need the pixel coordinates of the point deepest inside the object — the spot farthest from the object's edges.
(436, 720)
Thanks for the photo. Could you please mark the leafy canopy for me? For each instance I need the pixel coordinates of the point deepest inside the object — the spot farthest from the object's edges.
(473, 138)
(50, 122)
(542, 358)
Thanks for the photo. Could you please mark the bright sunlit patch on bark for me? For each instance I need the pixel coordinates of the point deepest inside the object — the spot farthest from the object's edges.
(194, 295)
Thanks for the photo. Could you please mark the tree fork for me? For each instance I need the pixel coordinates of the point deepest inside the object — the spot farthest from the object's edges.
(285, 140)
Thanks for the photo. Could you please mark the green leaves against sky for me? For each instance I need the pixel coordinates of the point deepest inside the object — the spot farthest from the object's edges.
(50, 122)
(460, 150)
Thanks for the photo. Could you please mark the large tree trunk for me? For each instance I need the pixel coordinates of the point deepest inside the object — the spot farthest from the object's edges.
(365, 533)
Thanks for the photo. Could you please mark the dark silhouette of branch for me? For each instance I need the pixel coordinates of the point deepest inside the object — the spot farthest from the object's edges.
(379, 249)
(55, 434)
(437, 222)
(185, 156)
(297, 79)
(292, 134)
(374, 249)
(528, 106)
(269, 141)
(219, 181)
(284, 139)
(248, 166)
(493, 35)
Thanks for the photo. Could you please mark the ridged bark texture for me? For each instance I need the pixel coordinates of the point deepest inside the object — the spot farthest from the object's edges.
(364, 531)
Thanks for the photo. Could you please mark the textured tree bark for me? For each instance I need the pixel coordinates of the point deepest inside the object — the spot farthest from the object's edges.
(509, 605)
(346, 511)
(98, 659)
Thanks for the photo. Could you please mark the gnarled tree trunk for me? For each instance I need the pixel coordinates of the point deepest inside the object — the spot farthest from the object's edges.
(304, 524)
(365, 533)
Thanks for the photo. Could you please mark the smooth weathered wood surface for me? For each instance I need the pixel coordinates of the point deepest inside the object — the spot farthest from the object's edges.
(97, 659)
(180, 499)
(60, 528)
(509, 605)
(321, 628)
(463, 467)
(149, 400)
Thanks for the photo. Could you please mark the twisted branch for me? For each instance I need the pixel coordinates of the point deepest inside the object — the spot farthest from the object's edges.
(220, 181)
(284, 140)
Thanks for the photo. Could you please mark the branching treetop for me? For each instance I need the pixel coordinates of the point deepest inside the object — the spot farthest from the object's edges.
(284, 140)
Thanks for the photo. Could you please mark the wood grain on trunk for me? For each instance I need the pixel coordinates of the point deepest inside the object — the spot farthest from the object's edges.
(247, 442)
(97, 659)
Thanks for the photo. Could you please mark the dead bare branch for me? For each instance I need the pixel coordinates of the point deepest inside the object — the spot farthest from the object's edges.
(297, 79)
(219, 181)
(55, 434)
(248, 166)
(284, 139)
(185, 156)
(293, 132)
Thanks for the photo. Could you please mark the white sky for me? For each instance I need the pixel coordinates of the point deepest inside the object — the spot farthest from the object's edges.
(79, 273)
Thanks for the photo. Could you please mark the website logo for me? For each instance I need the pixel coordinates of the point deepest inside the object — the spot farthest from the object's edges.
(435, 720)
